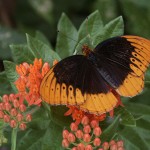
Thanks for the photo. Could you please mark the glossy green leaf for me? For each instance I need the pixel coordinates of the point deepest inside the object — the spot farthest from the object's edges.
(110, 131)
(67, 37)
(111, 29)
(126, 117)
(41, 50)
(21, 53)
(91, 26)
(57, 114)
(40, 36)
(10, 70)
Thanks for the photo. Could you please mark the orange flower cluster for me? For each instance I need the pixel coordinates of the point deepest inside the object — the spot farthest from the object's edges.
(86, 136)
(13, 112)
(28, 83)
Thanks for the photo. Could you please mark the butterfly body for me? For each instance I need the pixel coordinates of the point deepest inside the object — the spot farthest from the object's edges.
(89, 81)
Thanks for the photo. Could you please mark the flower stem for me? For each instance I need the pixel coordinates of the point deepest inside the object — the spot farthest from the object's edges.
(13, 139)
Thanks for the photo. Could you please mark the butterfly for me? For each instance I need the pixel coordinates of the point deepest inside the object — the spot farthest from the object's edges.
(90, 81)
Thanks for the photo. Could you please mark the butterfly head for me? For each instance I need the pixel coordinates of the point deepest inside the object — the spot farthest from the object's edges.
(86, 50)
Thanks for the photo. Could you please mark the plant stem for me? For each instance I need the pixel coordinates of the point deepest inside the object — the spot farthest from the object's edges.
(13, 139)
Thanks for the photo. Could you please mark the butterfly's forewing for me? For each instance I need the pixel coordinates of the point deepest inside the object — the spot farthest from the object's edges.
(125, 60)
(76, 81)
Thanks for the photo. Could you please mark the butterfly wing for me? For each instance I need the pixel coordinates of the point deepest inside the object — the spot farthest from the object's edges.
(124, 62)
(76, 81)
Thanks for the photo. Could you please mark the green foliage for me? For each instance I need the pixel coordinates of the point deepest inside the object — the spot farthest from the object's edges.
(130, 123)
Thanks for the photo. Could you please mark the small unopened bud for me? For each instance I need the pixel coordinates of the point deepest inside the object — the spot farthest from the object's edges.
(120, 143)
(97, 142)
(11, 97)
(13, 123)
(6, 118)
(73, 127)
(13, 112)
(1, 114)
(81, 146)
(105, 146)
(94, 123)
(113, 147)
(97, 131)
(74, 148)
(120, 148)
(5, 98)
(112, 142)
(79, 134)
(86, 138)
(22, 108)
(1, 106)
(65, 134)
(19, 117)
(87, 129)
(85, 120)
(7, 106)
(45, 68)
(28, 117)
(89, 147)
(71, 138)
(22, 126)
(26, 65)
(65, 143)
(16, 103)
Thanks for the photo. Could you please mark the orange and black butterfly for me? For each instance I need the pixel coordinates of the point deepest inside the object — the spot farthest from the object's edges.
(89, 81)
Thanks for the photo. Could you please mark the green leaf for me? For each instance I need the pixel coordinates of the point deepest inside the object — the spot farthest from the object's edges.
(7, 37)
(41, 50)
(52, 138)
(21, 53)
(66, 38)
(10, 70)
(57, 114)
(112, 29)
(110, 131)
(40, 36)
(92, 25)
(126, 117)
(4, 84)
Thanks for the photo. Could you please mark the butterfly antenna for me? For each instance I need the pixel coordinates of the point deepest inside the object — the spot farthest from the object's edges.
(68, 37)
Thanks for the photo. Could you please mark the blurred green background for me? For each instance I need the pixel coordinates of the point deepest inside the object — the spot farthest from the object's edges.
(18, 17)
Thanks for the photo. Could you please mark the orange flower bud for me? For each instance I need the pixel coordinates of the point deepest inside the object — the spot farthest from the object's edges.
(87, 129)
(81, 146)
(5, 98)
(100, 149)
(6, 118)
(16, 103)
(86, 138)
(65, 143)
(113, 147)
(1, 106)
(13, 123)
(94, 123)
(120, 143)
(112, 142)
(28, 117)
(22, 108)
(89, 147)
(74, 148)
(12, 97)
(85, 120)
(79, 134)
(22, 126)
(97, 131)
(120, 148)
(45, 69)
(71, 138)
(73, 127)
(13, 112)
(19, 117)
(65, 134)
(7, 106)
(26, 65)
(105, 146)
(97, 142)
(1, 114)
